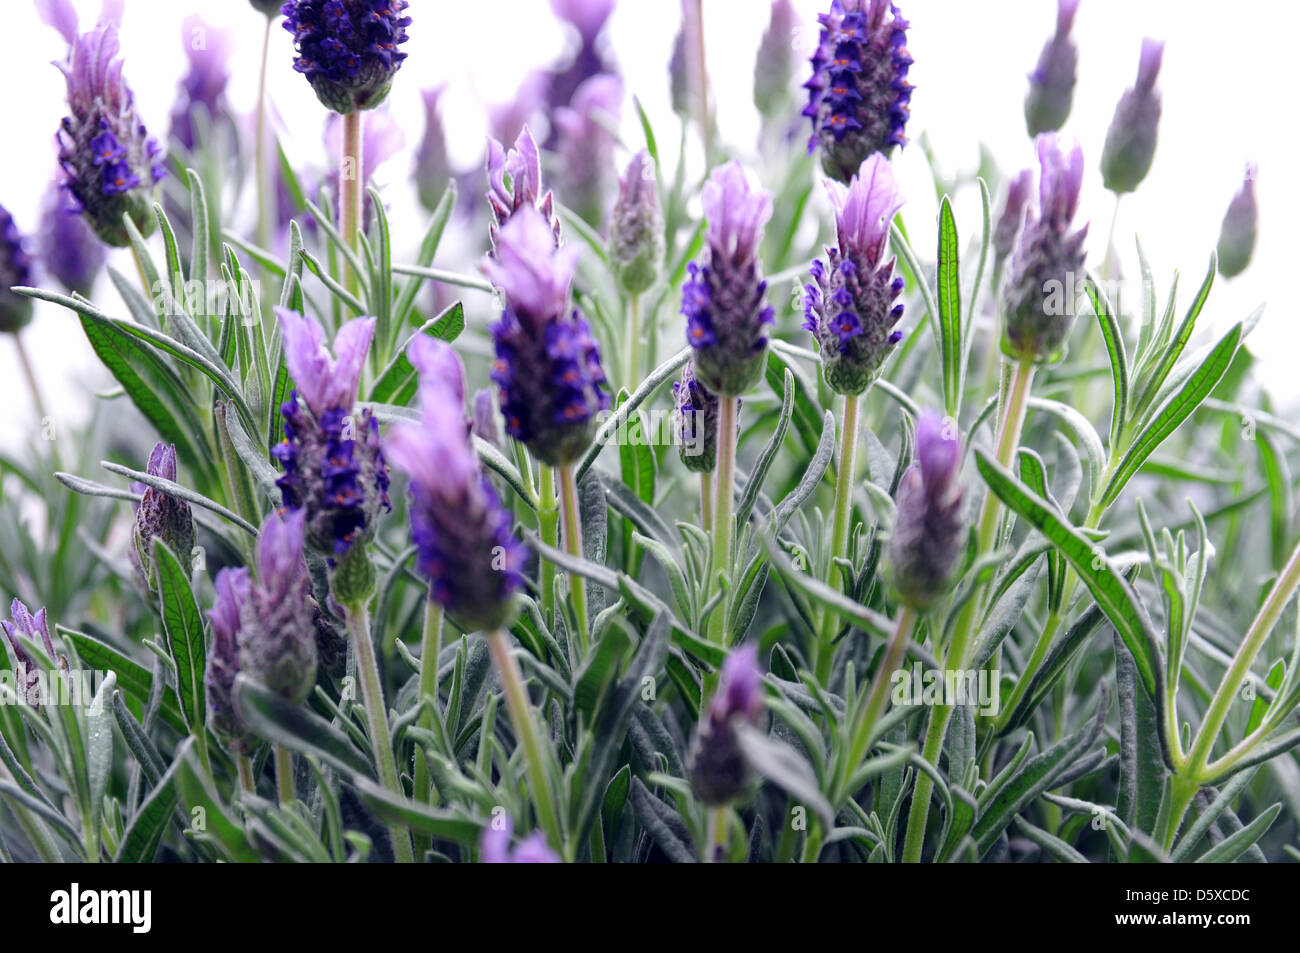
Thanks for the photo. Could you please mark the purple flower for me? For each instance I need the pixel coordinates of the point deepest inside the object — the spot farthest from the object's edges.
(547, 362)
(27, 678)
(333, 466)
(849, 306)
(679, 66)
(204, 86)
(588, 17)
(68, 249)
(523, 164)
(460, 529)
(432, 164)
(930, 526)
(774, 69)
(277, 642)
(584, 146)
(726, 315)
(696, 418)
(111, 165)
(61, 15)
(1048, 259)
(859, 97)
(636, 230)
(1013, 215)
(348, 49)
(160, 516)
(495, 848)
(716, 764)
(1051, 84)
(15, 271)
(1131, 140)
(1237, 236)
(234, 591)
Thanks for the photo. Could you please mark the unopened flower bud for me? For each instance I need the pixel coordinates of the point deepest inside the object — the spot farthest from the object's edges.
(1051, 84)
(15, 271)
(636, 232)
(716, 765)
(277, 624)
(233, 592)
(1131, 140)
(1237, 237)
(160, 516)
(930, 526)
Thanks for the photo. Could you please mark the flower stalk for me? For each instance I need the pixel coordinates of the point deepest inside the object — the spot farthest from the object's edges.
(728, 410)
(572, 518)
(840, 524)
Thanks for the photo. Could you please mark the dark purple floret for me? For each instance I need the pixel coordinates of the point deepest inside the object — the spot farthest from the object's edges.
(1131, 139)
(547, 361)
(233, 588)
(1237, 236)
(110, 163)
(727, 316)
(1051, 84)
(160, 516)
(850, 304)
(929, 532)
(859, 97)
(348, 49)
(716, 765)
(1038, 306)
(15, 271)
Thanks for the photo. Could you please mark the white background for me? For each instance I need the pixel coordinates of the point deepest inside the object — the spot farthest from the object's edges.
(1229, 82)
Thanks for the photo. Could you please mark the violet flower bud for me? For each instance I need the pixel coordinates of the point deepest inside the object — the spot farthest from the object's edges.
(27, 679)
(859, 97)
(68, 249)
(1013, 215)
(547, 361)
(584, 146)
(333, 466)
(204, 86)
(1131, 140)
(1038, 295)
(679, 70)
(277, 624)
(636, 230)
(494, 848)
(726, 314)
(233, 593)
(696, 419)
(432, 164)
(850, 305)
(774, 70)
(160, 516)
(1237, 237)
(15, 271)
(461, 531)
(348, 49)
(111, 165)
(716, 765)
(523, 164)
(1051, 84)
(930, 525)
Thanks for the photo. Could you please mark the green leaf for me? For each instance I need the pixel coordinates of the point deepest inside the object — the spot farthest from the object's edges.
(596, 678)
(144, 835)
(1169, 354)
(619, 418)
(1113, 335)
(183, 626)
(133, 678)
(397, 382)
(785, 767)
(1232, 847)
(766, 456)
(1050, 843)
(295, 727)
(445, 824)
(950, 346)
(180, 492)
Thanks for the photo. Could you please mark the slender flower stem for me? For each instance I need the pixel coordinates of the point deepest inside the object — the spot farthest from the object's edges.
(1173, 806)
(839, 529)
(372, 694)
(878, 693)
(521, 718)
(700, 76)
(263, 168)
(245, 766)
(350, 185)
(29, 374)
(728, 408)
(1011, 425)
(706, 501)
(632, 372)
(919, 814)
(715, 841)
(284, 775)
(431, 641)
(572, 517)
(548, 520)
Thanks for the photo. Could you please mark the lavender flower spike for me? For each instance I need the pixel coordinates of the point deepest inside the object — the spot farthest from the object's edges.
(495, 846)
(432, 164)
(1237, 236)
(930, 526)
(696, 411)
(160, 517)
(15, 271)
(234, 590)
(1131, 140)
(1051, 84)
(585, 147)
(348, 49)
(523, 164)
(277, 620)
(68, 248)
(333, 466)
(859, 97)
(1013, 216)
(775, 66)
(35, 628)
(849, 306)
(726, 315)
(636, 230)
(204, 86)
(547, 362)
(716, 765)
(1048, 260)
(111, 166)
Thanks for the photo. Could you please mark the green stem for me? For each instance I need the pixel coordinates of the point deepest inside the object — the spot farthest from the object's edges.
(573, 545)
(1172, 808)
(284, 775)
(706, 501)
(919, 814)
(715, 843)
(632, 372)
(372, 694)
(29, 375)
(521, 717)
(431, 641)
(263, 169)
(839, 530)
(876, 697)
(722, 519)
(1011, 425)
(350, 185)
(548, 525)
(701, 80)
(245, 766)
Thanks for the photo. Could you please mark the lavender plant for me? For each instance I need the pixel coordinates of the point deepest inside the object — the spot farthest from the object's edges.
(845, 627)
